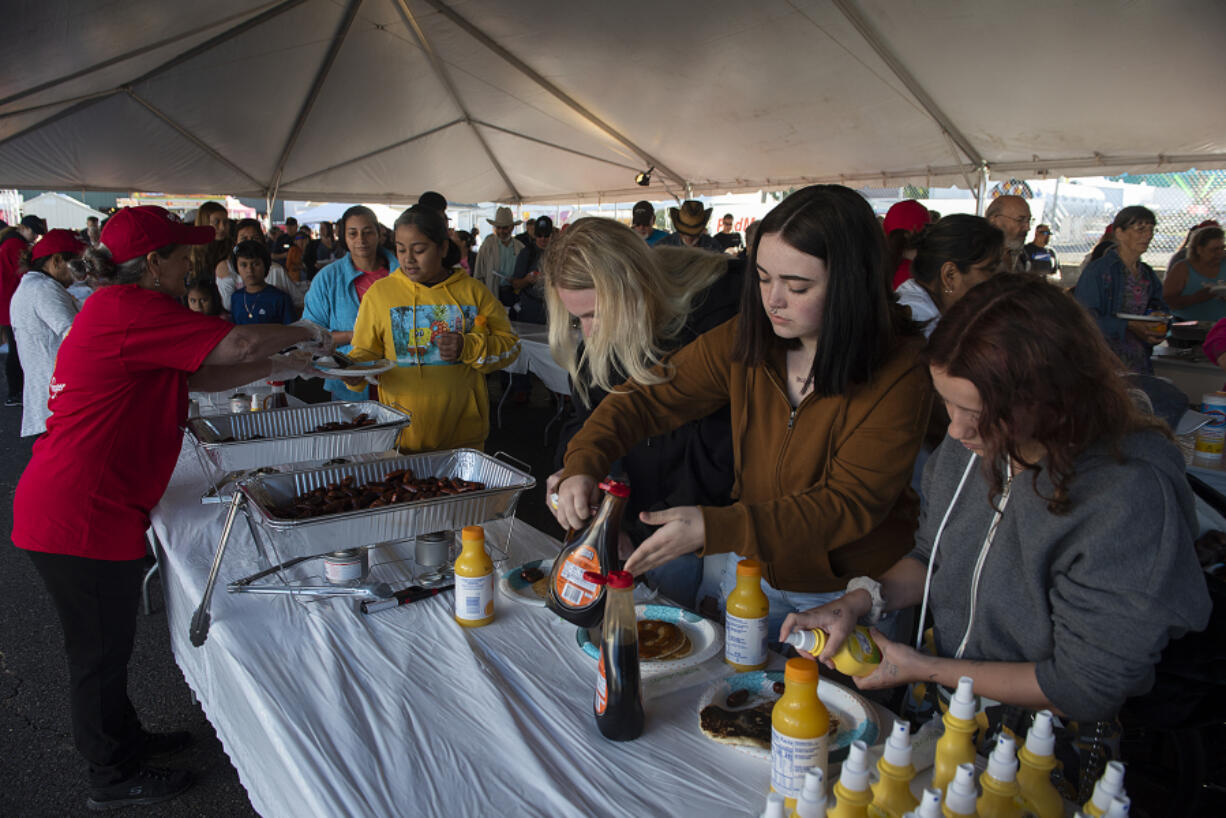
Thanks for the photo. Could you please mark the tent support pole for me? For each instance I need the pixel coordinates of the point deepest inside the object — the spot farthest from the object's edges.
(487, 41)
(321, 76)
(548, 144)
(376, 152)
(877, 42)
(982, 193)
(441, 72)
(189, 136)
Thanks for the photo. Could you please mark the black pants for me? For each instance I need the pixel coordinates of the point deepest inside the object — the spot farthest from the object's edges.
(12, 365)
(97, 602)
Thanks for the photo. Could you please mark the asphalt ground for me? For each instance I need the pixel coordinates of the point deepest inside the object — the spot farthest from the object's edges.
(40, 771)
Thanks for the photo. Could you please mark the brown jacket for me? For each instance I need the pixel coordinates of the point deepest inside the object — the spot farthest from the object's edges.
(822, 491)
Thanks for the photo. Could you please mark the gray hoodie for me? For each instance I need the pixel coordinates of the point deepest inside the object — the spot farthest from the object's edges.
(1091, 596)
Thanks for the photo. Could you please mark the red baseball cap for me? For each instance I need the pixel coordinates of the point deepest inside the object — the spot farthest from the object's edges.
(905, 215)
(57, 241)
(135, 231)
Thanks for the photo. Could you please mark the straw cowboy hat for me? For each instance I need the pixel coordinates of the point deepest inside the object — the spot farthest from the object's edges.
(503, 218)
(690, 218)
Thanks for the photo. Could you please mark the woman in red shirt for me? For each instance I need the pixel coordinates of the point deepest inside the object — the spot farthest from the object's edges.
(118, 398)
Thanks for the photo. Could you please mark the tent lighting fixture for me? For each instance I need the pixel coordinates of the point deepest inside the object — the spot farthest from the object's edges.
(644, 179)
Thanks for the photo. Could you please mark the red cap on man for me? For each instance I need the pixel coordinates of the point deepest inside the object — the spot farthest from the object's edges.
(136, 231)
(57, 241)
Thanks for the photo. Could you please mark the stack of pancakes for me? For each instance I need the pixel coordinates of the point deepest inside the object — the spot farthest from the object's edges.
(662, 641)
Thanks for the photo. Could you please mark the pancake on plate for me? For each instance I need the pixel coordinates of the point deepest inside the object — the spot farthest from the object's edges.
(662, 641)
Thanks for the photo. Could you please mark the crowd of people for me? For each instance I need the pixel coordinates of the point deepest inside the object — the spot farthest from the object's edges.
(768, 396)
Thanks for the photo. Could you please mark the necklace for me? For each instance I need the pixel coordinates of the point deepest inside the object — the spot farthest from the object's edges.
(247, 308)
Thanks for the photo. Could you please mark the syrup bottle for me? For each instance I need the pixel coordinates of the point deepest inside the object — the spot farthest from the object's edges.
(745, 615)
(812, 800)
(892, 792)
(960, 797)
(1037, 760)
(800, 725)
(957, 745)
(572, 596)
(1109, 785)
(619, 696)
(851, 793)
(929, 805)
(1001, 793)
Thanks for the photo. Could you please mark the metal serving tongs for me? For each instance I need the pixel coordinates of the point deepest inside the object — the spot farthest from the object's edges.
(200, 619)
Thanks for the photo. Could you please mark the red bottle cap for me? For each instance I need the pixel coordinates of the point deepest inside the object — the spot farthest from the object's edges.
(621, 580)
(595, 577)
(615, 487)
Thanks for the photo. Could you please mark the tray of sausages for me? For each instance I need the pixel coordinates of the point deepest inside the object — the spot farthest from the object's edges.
(321, 431)
(390, 499)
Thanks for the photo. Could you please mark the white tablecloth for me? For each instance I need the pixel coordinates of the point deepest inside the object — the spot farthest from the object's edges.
(328, 712)
(534, 357)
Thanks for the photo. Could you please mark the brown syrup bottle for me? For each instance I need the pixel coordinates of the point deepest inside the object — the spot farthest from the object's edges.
(618, 705)
(571, 595)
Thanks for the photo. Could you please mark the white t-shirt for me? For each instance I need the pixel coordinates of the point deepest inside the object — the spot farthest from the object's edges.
(277, 277)
(41, 312)
(923, 309)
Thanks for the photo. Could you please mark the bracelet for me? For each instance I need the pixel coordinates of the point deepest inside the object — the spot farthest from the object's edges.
(873, 587)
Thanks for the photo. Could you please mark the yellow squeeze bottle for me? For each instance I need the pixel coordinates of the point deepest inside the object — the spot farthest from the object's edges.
(957, 745)
(892, 792)
(1120, 807)
(800, 725)
(851, 793)
(474, 580)
(960, 797)
(1108, 786)
(858, 656)
(812, 800)
(745, 616)
(929, 805)
(1001, 794)
(1037, 761)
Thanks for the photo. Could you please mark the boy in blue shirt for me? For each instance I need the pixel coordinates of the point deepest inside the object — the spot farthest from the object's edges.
(258, 302)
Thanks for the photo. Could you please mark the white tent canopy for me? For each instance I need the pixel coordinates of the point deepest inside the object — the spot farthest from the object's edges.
(535, 101)
(60, 211)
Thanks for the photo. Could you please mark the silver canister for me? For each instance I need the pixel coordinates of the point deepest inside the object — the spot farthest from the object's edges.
(240, 402)
(432, 553)
(346, 567)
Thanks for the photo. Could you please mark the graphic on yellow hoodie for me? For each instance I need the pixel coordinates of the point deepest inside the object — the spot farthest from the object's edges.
(399, 320)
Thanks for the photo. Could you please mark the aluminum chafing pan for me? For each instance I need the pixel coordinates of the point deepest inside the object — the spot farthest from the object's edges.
(349, 529)
(289, 436)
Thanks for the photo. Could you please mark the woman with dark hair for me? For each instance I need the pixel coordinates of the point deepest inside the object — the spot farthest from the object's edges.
(951, 256)
(42, 313)
(442, 328)
(1188, 282)
(206, 257)
(902, 222)
(1057, 576)
(118, 402)
(828, 404)
(1118, 282)
(337, 290)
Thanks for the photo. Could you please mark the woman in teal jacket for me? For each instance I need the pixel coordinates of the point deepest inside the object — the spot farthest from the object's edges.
(337, 290)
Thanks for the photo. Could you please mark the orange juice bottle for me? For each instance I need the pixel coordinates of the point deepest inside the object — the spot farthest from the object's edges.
(800, 725)
(956, 746)
(474, 580)
(745, 613)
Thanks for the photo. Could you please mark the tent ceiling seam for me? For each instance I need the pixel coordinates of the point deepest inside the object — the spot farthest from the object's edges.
(308, 104)
(877, 42)
(444, 76)
(127, 55)
(547, 144)
(487, 41)
(191, 137)
(376, 152)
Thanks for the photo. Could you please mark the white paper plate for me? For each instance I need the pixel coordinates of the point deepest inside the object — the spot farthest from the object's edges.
(857, 718)
(514, 588)
(328, 366)
(706, 637)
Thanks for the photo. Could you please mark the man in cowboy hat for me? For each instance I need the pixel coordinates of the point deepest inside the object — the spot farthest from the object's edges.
(690, 223)
(496, 258)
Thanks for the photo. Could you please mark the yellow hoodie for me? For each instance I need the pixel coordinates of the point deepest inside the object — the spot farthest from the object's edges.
(447, 399)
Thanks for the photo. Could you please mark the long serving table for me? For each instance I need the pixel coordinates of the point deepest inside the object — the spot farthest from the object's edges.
(324, 711)
(535, 358)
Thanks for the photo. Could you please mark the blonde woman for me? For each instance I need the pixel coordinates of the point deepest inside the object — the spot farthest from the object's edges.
(633, 306)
